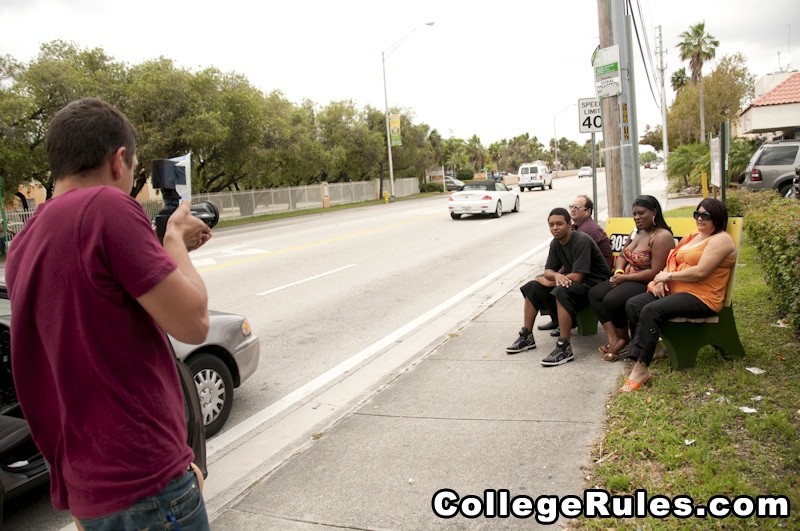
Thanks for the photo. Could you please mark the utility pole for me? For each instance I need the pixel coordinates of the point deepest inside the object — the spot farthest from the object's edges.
(663, 69)
(629, 134)
(610, 121)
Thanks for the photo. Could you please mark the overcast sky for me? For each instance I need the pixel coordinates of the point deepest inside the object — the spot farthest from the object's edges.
(496, 69)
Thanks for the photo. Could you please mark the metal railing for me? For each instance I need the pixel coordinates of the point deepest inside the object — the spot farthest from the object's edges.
(249, 203)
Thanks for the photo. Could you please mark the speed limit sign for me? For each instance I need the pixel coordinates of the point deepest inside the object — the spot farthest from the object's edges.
(590, 115)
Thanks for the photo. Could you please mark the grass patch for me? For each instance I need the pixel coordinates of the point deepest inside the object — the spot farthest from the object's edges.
(685, 434)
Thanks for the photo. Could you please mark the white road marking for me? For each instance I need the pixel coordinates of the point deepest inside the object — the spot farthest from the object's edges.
(332, 271)
(252, 423)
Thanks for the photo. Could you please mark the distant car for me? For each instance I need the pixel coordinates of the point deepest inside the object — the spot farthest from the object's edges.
(452, 183)
(227, 357)
(584, 171)
(647, 165)
(653, 165)
(483, 197)
(534, 175)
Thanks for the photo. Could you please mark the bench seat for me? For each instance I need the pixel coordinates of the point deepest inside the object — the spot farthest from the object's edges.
(683, 337)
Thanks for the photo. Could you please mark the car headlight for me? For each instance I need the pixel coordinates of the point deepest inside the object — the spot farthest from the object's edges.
(246, 330)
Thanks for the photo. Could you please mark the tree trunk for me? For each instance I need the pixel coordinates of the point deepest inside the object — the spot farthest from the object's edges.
(702, 113)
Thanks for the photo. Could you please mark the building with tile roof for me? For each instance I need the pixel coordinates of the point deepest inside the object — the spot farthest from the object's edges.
(776, 108)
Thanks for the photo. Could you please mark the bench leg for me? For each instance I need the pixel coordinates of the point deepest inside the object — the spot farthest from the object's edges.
(587, 322)
(683, 340)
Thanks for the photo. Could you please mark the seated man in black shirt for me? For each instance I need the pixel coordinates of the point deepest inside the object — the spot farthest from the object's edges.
(574, 264)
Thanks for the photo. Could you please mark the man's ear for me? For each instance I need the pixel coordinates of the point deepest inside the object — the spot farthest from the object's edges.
(117, 160)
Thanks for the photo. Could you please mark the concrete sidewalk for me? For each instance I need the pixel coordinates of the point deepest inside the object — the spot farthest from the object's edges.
(468, 417)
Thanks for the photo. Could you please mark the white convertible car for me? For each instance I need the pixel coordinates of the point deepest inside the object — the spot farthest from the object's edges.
(483, 197)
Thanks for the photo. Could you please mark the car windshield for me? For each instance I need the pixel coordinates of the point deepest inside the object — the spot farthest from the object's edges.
(475, 187)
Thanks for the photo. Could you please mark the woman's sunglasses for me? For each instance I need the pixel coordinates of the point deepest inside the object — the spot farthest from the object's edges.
(705, 216)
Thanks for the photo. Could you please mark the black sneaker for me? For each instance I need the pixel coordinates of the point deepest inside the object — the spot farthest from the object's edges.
(560, 355)
(524, 342)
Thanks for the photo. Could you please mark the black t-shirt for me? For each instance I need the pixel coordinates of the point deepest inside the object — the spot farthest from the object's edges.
(580, 255)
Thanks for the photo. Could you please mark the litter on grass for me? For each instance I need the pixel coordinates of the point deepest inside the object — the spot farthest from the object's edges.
(745, 409)
(688, 442)
(755, 370)
(723, 400)
(757, 398)
(782, 323)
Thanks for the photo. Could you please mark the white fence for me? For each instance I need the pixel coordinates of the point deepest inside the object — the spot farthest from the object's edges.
(249, 203)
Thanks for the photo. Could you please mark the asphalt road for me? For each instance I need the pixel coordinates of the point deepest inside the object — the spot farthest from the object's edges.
(328, 292)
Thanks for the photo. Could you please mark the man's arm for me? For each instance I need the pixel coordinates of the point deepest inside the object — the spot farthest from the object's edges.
(179, 303)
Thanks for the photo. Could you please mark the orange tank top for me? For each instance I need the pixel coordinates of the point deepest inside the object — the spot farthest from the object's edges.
(710, 290)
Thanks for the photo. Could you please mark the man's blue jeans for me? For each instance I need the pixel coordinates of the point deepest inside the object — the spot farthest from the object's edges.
(179, 506)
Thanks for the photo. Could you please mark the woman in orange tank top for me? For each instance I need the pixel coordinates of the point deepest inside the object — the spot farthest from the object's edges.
(691, 285)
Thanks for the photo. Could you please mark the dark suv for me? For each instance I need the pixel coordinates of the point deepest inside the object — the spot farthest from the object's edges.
(772, 167)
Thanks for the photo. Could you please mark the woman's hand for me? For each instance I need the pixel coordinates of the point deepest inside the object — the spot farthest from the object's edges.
(660, 289)
(662, 277)
(617, 279)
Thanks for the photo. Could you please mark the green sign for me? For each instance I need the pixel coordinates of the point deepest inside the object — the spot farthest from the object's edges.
(394, 129)
(607, 81)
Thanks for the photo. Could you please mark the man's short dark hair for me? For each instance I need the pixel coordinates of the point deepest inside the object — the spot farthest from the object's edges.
(589, 203)
(84, 134)
(560, 211)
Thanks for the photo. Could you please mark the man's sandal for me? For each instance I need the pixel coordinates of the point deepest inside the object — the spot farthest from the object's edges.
(632, 385)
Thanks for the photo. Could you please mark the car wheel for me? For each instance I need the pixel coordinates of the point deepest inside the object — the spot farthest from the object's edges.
(516, 205)
(455, 216)
(215, 387)
(551, 185)
(498, 211)
(785, 190)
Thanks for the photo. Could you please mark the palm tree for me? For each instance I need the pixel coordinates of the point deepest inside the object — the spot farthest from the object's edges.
(698, 47)
(679, 80)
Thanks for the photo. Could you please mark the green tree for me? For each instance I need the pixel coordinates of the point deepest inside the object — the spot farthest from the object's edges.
(686, 164)
(727, 89)
(679, 79)
(652, 137)
(476, 153)
(697, 47)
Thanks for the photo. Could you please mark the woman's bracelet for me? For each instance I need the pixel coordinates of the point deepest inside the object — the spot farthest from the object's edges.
(619, 271)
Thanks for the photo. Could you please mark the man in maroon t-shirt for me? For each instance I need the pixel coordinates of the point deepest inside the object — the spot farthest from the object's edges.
(92, 294)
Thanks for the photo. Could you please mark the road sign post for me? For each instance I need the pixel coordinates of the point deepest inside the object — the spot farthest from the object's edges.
(590, 120)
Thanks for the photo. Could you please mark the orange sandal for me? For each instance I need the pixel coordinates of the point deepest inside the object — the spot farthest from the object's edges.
(632, 385)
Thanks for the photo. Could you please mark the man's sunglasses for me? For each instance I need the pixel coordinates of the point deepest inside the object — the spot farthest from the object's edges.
(705, 216)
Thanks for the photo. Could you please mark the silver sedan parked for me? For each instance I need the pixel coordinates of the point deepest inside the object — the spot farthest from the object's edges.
(483, 197)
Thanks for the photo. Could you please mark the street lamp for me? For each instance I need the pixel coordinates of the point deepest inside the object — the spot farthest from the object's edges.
(555, 135)
(384, 54)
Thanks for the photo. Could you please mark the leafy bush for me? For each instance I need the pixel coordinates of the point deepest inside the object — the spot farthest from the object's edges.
(432, 187)
(772, 224)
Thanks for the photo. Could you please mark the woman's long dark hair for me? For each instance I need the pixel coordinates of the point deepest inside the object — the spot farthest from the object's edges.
(651, 203)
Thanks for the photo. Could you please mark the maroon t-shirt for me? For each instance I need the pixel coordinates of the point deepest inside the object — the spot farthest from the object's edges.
(590, 227)
(95, 377)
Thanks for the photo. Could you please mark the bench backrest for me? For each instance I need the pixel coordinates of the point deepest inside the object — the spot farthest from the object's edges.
(619, 229)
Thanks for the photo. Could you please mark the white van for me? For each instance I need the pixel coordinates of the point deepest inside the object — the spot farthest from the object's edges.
(534, 175)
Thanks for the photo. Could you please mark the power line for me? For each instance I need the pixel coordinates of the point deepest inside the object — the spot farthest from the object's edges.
(641, 51)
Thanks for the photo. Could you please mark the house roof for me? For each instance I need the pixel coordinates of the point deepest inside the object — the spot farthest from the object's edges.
(785, 93)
